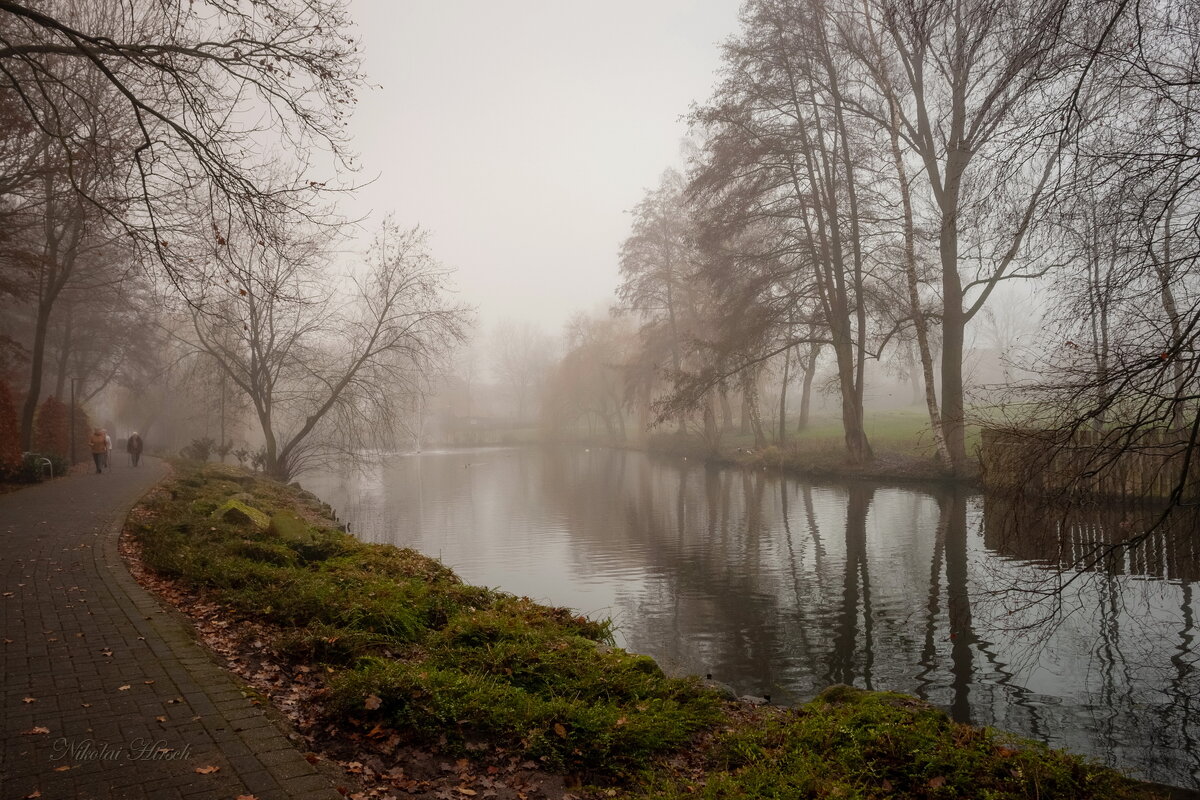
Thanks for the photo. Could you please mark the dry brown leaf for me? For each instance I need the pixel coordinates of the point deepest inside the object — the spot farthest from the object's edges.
(207, 770)
(34, 793)
(29, 700)
(560, 730)
(124, 688)
(37, 729)
(466, 791)
(246, 797)
(372, 702)
(934, 783)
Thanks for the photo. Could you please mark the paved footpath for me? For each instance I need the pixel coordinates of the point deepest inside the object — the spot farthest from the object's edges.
(129, 704)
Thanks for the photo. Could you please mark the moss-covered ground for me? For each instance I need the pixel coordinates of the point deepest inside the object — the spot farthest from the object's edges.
(405, 646)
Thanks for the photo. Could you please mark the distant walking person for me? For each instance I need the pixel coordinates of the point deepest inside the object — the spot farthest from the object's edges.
(99, 448)
(107, 449)
(134, 447)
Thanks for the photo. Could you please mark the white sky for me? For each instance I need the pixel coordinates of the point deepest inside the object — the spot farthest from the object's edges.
(520, 132)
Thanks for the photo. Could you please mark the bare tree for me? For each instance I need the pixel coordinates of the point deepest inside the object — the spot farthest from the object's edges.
(971, 94)
(324, 373)
(200, 87)
(521, 357)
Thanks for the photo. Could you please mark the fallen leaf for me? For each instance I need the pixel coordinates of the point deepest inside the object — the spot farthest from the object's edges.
(148, 682)
(124, 688)
(160, 719)
(466, 791)
(34, 793)
(372, 703)
(207, 770)
(35, 730)
(934, 783)
(29, 700)
(65, 767)
(560, 730)
(246, 797)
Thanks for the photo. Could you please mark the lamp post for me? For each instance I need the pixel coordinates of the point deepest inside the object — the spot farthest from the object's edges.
(73, 381)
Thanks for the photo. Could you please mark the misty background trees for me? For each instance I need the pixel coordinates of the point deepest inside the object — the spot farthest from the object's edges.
(983, 208)
(167, 185)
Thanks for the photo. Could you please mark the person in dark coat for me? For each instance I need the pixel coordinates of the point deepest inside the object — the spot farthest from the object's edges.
(133, 446)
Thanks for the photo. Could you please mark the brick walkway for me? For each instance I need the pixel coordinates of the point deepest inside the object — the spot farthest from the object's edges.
(132, 705)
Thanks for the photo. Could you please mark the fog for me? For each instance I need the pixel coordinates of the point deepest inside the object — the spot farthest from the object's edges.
(520, 133)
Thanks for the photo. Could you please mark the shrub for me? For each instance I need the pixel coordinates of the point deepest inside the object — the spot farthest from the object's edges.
(51, 428)
(200, 449)
(10, 436)
(83, 429)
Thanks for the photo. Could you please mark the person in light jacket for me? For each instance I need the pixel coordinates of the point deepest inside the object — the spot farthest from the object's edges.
(98, 446)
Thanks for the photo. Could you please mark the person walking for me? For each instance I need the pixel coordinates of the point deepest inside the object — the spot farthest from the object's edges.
(107, 449)
(133, 446)
(98, 447)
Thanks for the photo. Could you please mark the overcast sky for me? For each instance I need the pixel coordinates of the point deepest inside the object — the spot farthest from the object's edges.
(520, 132)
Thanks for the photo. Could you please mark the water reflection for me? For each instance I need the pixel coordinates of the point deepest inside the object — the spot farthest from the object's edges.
(782, 587)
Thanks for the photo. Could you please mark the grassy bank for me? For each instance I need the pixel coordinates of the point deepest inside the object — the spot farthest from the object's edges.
(901, 440)
(396, 649)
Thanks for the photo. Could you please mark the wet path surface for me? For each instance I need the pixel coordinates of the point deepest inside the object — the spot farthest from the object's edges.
(105, 694)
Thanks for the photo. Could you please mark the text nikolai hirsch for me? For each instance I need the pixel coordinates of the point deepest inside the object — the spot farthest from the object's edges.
(137, 750)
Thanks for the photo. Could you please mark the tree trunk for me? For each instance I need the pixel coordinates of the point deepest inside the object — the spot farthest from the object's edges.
(954, 319)
(750, 393)
(920, 325)
(712, 434)
(806, 392)
(36, 367)
(64, 352)
(783, 396)
(726, 407)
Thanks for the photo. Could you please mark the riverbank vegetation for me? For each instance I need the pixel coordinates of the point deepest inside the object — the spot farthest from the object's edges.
(902, 442)
(412, 680)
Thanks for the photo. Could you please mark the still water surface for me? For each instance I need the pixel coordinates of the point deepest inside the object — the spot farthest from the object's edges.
(781, 587)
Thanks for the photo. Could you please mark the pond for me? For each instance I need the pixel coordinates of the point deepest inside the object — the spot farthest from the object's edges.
(779, 586)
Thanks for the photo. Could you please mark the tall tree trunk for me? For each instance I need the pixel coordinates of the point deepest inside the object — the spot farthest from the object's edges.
(726, 406)
(814, 350)
(750, 393)
(920, 325)
(954, 319)
(744, 422)
(36, 367)
(64, 351)
(712, 434)
(783, 396)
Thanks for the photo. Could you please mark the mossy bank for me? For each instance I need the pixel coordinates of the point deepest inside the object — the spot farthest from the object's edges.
(406, 647)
